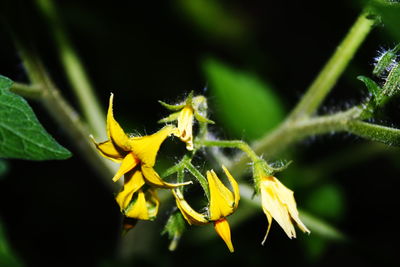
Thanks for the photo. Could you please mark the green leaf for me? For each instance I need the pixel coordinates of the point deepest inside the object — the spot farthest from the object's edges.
(21, 134)
(244, 103)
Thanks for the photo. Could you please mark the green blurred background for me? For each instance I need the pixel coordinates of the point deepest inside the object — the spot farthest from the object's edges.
(253, 60)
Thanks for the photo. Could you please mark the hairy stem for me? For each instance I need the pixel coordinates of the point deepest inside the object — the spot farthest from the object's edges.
(293, 131)
(332, 70)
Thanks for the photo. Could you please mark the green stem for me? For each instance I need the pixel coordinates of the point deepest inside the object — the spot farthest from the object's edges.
(74, 69)
(65, 116)
(384, 134)
(293, 131)
(26, 90)
(328, 76)
(232, 144)
(202, 180)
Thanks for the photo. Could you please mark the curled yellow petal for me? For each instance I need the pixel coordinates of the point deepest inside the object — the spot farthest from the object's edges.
(128, 163)
(222, 201)
(132, 184)
(185, 126)
(152, 178)
(235, 187)
(114, 131)
(269, 218)
(146, 147)
(191, 216)
(222, 228)
(138, 210)
(108, 150)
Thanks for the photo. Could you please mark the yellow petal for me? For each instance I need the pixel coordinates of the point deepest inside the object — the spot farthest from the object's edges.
(235, 187)
(272, 204)
(146, 147)
(108, 150)
(191, 216)
(287, 197)
(138, 210)
(221, 199)
(114, 130)
(222, 228)
(132, 184)
(128, 163)
(269, 218)
(185, 126)
(152, 178)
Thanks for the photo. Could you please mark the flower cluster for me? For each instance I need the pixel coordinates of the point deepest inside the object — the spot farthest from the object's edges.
(137, 157)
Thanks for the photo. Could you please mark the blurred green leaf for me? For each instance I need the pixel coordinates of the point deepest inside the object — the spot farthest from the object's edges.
(214, 19)
(7, 257)
(315, 246)
(21, 134)
(327, 202)
(389, 14)
(3, 167)
(244, 103)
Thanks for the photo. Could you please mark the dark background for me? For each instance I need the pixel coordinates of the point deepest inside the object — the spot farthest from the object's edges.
(57, 213)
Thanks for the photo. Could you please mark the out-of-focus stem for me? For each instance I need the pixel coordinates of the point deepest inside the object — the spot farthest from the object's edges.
(76, 74)
(65, 116)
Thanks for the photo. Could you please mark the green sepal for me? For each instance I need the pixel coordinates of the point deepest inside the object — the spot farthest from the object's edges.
(372, 86)
(189, 98)
(171, 107)
(201, 118)
(174, 228)
(392, 84)
(385, 62)
(170, 118)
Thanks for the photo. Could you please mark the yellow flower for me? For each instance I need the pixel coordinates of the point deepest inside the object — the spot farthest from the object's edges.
(278, 202)
(222, 204)
(192, 107)
(137, 156)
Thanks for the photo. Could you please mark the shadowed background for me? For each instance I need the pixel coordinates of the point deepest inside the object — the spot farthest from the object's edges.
(58, 212)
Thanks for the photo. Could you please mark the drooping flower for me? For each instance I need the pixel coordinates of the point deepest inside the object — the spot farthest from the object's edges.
(222, 203)
(278, 203)
(137, 156)
(192, 107)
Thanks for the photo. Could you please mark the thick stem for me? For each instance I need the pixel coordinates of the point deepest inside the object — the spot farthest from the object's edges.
(290, 132)
(332, 70)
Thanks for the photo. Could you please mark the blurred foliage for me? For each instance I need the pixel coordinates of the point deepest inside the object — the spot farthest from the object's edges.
(3, 168)
(326, 201)
(7, 256)
(245, 105)
(211, 18)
